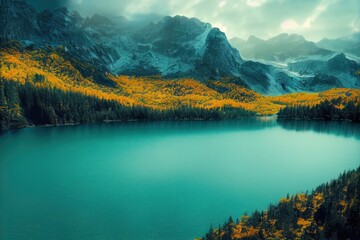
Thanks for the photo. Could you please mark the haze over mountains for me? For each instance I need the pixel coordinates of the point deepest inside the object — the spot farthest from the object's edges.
(281, 48)
(349, 44)
(319, 66)
(176, 47)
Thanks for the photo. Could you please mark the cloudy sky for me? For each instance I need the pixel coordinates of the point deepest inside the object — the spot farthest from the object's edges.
(314, 19)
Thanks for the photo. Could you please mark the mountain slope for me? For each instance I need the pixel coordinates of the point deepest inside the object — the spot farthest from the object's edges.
(18, 20)
(171, 48)
(55, 68)
(282, 48)
(336, 72)
(332, 211)
(349, 44)
(174, 46)
(298, 65)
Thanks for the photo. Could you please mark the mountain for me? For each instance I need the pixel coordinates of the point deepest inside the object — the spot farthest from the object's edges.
(332, 211)
(18, 20)
(172, 47)
(298, 65)
(337, 71)
(267, 79)
(281, 48)
(37, 86)
(349, 44)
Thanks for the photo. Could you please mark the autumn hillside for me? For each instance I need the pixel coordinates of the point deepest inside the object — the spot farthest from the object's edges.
(56, 69)
(332, 211)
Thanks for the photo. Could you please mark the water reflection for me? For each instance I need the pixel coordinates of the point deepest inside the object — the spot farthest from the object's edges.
(338, 128)
(102, 181)
(146, 128)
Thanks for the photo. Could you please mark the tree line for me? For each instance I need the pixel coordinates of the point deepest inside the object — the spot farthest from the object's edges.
(25, 104)
(332, 211)
(335, 109)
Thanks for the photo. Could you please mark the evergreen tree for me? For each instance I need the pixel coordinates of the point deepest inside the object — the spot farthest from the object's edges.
(27, 104)
(326, 110)
(331, 211)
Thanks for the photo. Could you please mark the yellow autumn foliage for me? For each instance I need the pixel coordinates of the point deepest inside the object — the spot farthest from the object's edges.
(241, 231)
(301, 203)
(303, 223)
(153, 92)
(284, 200)
(317, 201)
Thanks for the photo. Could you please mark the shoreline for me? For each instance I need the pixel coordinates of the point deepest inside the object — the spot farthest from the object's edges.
(272, 117)
(133, 120)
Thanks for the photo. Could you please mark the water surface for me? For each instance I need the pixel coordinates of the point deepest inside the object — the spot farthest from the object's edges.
(160, 180)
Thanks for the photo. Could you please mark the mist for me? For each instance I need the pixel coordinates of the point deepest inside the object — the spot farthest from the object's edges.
(314, 19)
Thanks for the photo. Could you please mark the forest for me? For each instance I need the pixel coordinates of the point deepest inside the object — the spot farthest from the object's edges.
(48, 87)
(332, 211)
(333, 109)
(24, 104)
(54, 68)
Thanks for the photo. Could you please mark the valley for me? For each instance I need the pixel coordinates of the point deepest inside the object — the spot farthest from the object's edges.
(111, 119)
(54, 68)
(178, 47)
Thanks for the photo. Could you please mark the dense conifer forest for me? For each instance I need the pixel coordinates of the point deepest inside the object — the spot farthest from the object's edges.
(334, 109)
(55, 68)
(23, 105)
(332, 211)
(40, 87)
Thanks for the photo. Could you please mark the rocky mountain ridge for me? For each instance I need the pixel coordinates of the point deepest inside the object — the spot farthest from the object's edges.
(174, 47)
(310, 67)
(282, 48)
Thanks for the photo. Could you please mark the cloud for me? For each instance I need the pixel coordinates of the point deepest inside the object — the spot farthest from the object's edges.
(312, 18)
(293, 26)
(222, 3)
(317, 12)
(220, 26)
(255, 3)
(355, 25)
(290, 24)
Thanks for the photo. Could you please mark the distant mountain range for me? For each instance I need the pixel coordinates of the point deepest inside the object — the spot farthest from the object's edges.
(282, 48)
(174, 47)
(338, 71)
(285, 47)
(315, 66)
(349, 45)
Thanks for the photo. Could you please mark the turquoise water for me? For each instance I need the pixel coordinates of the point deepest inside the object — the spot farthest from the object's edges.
(160, 180)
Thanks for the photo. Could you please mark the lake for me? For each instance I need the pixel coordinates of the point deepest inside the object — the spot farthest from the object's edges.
(160, 180)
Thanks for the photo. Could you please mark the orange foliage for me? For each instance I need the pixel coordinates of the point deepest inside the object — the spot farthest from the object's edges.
(317, 201)
(303, 223)
(301, 203)
(241, 230)
(152, 92)
(284, 200)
